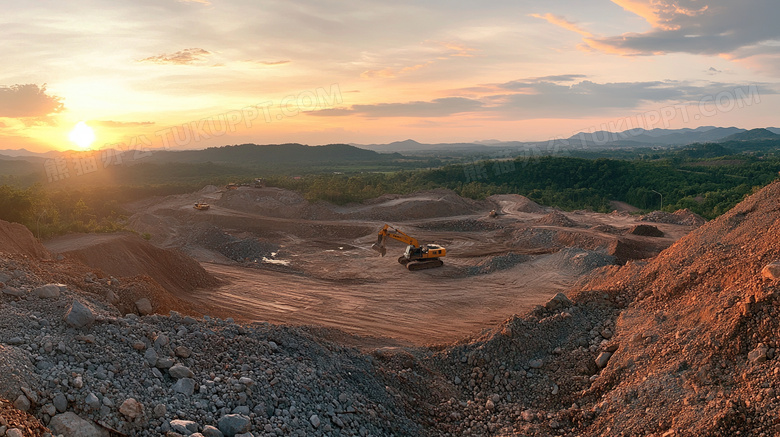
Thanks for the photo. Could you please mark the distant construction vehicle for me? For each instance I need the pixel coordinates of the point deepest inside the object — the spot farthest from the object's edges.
(259, 183)
(200, 206)
(416, 257)
(493, 213)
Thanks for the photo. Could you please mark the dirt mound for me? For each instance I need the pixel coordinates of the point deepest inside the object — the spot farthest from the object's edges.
(271, 202)
(702, 330)
(127, 255)
(496, 263)
(607, 229)
(553, 239)
(248, 248)
(683, 217)
(580, 260)
(626, 249)
(422, 205)
(646, 231)
(517, 203)
(208, 189)
(556, 218)
(467, 225)
(17, 239)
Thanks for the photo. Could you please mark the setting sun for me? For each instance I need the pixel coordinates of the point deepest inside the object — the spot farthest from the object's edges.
(82, 135)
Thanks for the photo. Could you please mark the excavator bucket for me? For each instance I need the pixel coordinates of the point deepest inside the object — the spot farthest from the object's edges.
(379, 246)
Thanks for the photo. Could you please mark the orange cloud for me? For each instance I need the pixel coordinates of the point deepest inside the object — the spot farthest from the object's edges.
(28, 100)
(453, 50)
(659, 13)
(391, 73)
(457, 49)
(182, 57)
(564, 23)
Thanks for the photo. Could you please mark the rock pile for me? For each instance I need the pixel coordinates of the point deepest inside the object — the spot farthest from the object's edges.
(556, 218)
(83, 369)
(680, 217)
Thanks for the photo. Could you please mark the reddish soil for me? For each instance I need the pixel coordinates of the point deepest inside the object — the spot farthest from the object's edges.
(17, 240)
(126, 255)
(312, 263)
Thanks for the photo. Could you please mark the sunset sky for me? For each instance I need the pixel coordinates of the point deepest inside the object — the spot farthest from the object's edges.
(194, 74)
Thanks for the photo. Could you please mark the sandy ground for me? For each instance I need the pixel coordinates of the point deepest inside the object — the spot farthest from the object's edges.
(324, 273)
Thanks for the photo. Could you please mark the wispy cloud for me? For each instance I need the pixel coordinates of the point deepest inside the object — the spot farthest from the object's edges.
(441, 51)
(202, 2)
(274, 62)
(564, 23)
(393, 72)
(434, 108)
(182, 57)
(119, 124)
(560, 96)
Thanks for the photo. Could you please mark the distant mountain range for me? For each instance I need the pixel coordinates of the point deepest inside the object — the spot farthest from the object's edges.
(753, 135)
(239, 154)
(594, 140)
(302, 154)
(273, 154)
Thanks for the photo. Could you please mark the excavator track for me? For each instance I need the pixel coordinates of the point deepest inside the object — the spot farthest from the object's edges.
(402, 260)
(425, 264)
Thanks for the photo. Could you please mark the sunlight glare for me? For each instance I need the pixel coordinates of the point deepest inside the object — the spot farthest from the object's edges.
(82, 135)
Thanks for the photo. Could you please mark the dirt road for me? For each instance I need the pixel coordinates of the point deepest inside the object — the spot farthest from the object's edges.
(422, 307)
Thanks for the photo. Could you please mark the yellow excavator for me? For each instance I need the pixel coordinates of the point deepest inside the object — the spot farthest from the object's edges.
(416, 257)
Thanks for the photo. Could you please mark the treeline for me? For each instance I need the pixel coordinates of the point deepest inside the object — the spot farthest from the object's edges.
(709, 179)
(709, 188)
(51, 212)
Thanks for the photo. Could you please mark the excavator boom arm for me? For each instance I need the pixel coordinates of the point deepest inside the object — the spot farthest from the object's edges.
(395, 234)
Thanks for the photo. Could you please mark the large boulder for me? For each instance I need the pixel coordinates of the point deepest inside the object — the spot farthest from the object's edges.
(232, 424)
(144, 306)
(185, 386)
(184, 427)
(71, 425)
(178, 372)
(559, 301)
(771, 271)
(48, 291)
(79, 316)
(132, 409)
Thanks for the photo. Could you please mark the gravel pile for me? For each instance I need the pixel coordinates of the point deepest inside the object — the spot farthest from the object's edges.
(645, 231)
(683, 217)
(235, 248)
(469, 225)
(152, 375)
(556, 218)
(580, 260)
(496, 263)
(607, 229)
(518, 203)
